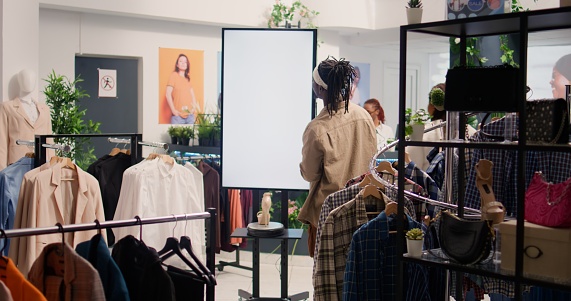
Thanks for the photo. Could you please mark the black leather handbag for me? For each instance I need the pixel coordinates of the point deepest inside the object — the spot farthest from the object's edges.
(465, 241)
(547, 121)
(481, 89)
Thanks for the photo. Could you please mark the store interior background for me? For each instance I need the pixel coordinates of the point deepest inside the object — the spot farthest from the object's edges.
(46, 35)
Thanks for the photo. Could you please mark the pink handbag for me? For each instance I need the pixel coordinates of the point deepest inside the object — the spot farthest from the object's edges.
(548, 204)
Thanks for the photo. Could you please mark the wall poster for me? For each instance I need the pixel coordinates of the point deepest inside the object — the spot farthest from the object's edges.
(181, 85)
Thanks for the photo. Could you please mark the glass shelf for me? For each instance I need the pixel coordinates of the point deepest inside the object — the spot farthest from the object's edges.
(496, 145)
(491, 268)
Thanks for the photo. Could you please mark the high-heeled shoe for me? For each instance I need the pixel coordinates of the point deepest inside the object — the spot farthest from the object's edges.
(264, 215)
(490, 208)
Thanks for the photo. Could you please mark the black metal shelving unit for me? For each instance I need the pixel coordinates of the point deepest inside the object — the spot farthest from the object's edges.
(522, 23)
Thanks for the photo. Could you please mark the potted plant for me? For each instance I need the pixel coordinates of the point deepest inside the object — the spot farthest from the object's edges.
(415, 123)
(414, 11)
(172, 131)
(216, 131)
(436, 97)
(63, 96)
(414, 242)
(283, 13)
(205, 130)
(186, 133)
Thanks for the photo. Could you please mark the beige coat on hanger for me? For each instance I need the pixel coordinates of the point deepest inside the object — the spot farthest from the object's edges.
(15, 125)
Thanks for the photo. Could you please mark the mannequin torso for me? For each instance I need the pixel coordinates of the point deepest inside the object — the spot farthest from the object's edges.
(27, 83)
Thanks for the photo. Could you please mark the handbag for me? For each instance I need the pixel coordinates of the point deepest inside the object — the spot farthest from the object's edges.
(548, 204)
(482, 89)
(465, 241)
(547, 121)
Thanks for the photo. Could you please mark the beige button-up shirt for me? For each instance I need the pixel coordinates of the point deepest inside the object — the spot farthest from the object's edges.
(335, 149)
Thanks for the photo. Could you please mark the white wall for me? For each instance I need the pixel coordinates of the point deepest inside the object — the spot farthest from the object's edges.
(65, 34)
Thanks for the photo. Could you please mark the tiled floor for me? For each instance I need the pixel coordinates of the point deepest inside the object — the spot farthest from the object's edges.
(231, 278)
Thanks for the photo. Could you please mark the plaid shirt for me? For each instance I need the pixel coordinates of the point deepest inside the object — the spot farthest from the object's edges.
(336, 237)
(332, 201)
(437, 167)
(371, 269)
(420, 177)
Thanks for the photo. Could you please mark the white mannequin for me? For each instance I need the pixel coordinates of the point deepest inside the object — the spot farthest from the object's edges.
(27, 83)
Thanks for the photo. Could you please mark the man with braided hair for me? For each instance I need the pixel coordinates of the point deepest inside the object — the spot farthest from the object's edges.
(338, 144)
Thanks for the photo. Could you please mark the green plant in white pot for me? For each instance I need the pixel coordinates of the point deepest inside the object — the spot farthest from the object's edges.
(414, 242)
(414, 127)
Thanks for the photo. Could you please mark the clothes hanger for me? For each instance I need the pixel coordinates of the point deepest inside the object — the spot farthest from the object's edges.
(372, 190)
(186, 244)
(385, 166)
(115, 150)
(369, 179)
(30, 155)
(172, 247)
(140, 223)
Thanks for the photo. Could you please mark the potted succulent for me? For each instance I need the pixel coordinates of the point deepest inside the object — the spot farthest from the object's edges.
(414, 11)
(186, 133)
(414, 242)
(415, 123)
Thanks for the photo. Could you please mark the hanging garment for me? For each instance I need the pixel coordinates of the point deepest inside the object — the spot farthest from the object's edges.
(187, 286)
(332, 201)
(334, 245)
(141, 267)
(10, 183)
(235, 214)
(246, 199)
(72, 279)
(109, 174)
(20, 288)
(157, 188)
(15, 124)
(96, 252)
(419, 176)
(54, 195)
(371, 269)
(5, 294)
(211, 189)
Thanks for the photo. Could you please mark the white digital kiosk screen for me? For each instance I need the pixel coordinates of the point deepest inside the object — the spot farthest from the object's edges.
(266, 105)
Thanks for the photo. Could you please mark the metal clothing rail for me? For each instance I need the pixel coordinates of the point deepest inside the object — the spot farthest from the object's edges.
(210, 234)
(61, 147)
(119, 140)
(136, 150)
(373, 165)
(165, 146)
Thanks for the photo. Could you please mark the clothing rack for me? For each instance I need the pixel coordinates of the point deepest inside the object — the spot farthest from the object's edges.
(373, 165)
(40, 141)
(61, 147)
(210, 235)
(162, 145)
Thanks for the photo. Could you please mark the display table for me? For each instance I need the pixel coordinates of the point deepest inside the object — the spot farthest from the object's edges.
(288, 234)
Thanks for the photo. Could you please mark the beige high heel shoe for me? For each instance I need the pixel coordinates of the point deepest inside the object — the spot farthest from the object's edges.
(264, 215)
(490, 208)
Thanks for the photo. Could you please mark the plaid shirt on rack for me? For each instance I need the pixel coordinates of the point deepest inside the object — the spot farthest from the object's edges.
(336, 237)
(420, 177)
(437, 167)
(332, 201)
(370, 272)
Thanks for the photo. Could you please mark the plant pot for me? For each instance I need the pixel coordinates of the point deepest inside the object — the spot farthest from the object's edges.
(174, 140)
(204, 142)
(414, 247)
(414, 15)
(185, 141)
(417, 132)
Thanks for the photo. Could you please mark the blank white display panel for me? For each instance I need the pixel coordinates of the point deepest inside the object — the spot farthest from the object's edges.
(267, 103)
